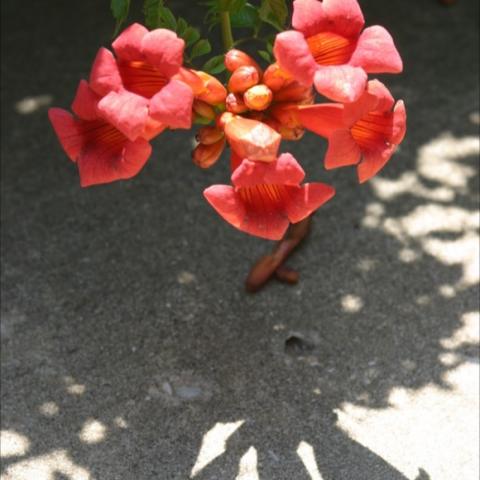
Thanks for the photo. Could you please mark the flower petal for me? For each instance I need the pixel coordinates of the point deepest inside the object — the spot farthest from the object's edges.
(341, 83)
(85, 102)
(344, 16)
(105, 76)
(227, 203)
(125, 111)
(342, 150)
(293, 55)
(285, 171)
(399, 123)
(128, 45)
(304, 200)
(68, 132)
(373, 161)
(323, 119)
(376, 52)
(164, 50)
(339, 16)
(173, 105)
(98, 164)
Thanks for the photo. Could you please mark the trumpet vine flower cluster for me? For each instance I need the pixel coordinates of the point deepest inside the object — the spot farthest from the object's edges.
(142, 87)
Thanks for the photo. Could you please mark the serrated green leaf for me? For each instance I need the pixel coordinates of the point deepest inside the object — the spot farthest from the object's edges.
(247, 17)
(215, 65)
(265, 55)
(120, 10)
(191, 35)
(168, 18)
(151, 11)
(202, 47)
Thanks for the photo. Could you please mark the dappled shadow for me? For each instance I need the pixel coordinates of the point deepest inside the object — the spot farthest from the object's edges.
(129, 349)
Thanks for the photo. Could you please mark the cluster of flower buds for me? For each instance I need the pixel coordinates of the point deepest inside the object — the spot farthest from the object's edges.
(143, 88)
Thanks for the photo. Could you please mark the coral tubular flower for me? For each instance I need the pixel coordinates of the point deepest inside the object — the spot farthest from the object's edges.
(364, 133)
(147, 66)
(329, 49)
(101, 151)
(266, 198)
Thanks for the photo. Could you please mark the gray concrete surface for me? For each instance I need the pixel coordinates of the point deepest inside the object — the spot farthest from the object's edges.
(131, 352)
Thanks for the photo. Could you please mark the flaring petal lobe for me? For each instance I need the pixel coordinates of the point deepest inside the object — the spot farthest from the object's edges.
(293, 55)
(344, 16)
(342, 150)
(342, 83)
(125, 111)
(323, 119)
(128, 45)
(85, 102)
(105, 76)
(164, 50)
(285, 171)
(68, 132)
(227, 203)
(304, 200)
(308, 17)
(172, 106)
(376, 52)
(373, 161)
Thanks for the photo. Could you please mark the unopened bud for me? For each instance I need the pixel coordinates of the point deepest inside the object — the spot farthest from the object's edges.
(235, 104)
(204, 156)
(294, 92)
(191, 78)
(258, 97)
(236, 58)
(275, 78)
(286, 114)
(252, 139)
(223, 119)
(242, 79)
(203, 110)
(291, 133)
(209, 135)
(213, 91)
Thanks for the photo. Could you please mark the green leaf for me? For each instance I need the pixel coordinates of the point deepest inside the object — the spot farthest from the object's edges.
(265, 55)
(182, 26)
(168, 18)
(191, 35)
(120, 10)
(279, 10)
(202, 47)
(267, 15)
(151, 11)
(236, 5)
(247, 17)
(215, 65)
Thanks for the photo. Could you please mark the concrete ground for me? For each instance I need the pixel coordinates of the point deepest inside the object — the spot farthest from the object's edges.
(130, 350)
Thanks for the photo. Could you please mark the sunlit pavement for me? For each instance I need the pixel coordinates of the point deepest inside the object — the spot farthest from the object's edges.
(129, 349)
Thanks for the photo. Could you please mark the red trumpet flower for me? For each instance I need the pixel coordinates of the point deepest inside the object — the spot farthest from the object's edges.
(329, 49)
(267, 197)
(102, 152)
(364, 133)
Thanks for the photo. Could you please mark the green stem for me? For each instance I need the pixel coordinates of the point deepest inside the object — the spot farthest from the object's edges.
(227, 35)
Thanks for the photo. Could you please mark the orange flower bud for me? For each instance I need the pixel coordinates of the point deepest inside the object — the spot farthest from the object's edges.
(236, 58)
(191, 78)
(275, 78)
(291, 133)
(223, 119)
(286, 114)
(213, 91)
(258, 97)
(204, 156)
(243, 78)
(209, 135)
(252, 139)
(235, 104)
(203, 110)
(294, 92)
